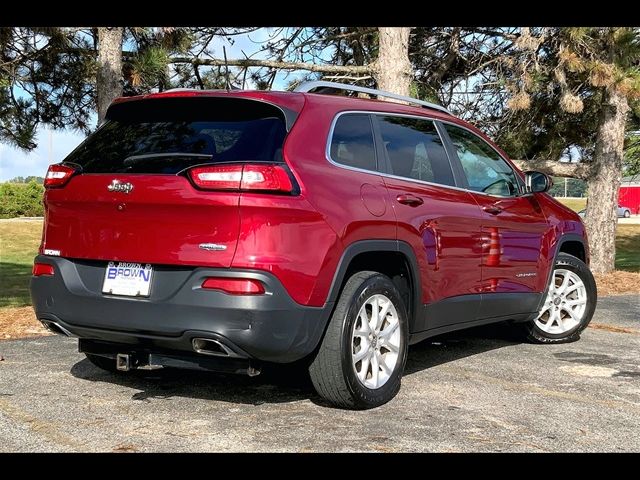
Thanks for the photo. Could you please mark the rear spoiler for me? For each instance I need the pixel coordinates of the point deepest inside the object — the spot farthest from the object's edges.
(187, 105)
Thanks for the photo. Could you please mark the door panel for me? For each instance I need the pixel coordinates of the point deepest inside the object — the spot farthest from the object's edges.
(514, 231)
(514, 228)
(442, 224)
(444, 232)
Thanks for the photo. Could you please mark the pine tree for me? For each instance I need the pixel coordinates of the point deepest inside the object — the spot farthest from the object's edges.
(572, 89)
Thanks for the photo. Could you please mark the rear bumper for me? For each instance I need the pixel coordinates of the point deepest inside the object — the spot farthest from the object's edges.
(270, 327)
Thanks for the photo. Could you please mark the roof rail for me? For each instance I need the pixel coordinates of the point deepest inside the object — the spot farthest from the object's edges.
(308, 87)
(182, 90)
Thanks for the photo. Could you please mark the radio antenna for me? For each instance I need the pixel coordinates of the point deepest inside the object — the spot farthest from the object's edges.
(226, 66)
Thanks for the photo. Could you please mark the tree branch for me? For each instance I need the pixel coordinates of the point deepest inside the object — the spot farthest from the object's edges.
(556, 168)
(453, 51)
(251, 62)
(198, 77)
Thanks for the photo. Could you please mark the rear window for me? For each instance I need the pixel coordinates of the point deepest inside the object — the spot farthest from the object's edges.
(169, 135)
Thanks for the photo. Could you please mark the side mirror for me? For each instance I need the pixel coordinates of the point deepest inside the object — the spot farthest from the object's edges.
(536, 182)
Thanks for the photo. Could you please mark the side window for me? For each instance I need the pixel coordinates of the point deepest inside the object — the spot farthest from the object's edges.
(352, 141)
(486, 171)
(415, 150)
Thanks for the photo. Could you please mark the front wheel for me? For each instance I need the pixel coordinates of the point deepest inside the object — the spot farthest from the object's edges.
(362, 356)
(569, 303)
(627, 214)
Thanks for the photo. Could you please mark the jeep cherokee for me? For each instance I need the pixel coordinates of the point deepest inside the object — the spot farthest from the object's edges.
(223, 230)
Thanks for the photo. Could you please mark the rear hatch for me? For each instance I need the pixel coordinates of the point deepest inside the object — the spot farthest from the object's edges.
(130, 196)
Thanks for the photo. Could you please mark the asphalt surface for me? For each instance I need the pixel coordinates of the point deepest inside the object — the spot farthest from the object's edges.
(479, 390)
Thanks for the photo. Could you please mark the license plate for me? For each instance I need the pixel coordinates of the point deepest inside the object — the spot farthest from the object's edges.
(128, 279)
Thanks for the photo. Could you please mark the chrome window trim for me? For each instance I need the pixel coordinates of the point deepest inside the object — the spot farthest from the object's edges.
(327, 152)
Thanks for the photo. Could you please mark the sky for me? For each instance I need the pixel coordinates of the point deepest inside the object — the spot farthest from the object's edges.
(54, 145)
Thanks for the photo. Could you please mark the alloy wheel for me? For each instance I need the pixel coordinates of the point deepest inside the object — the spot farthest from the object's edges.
(565, 304)
(375, 341)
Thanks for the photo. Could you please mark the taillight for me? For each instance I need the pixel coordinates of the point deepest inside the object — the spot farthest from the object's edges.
(58, 175)
(42, 269)
(234, 286)
(242, 177)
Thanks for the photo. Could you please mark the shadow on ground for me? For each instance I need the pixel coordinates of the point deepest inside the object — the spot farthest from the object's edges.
(287, 383)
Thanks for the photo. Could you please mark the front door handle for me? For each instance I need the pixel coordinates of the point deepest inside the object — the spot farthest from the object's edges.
(492, 209)
(408, 199)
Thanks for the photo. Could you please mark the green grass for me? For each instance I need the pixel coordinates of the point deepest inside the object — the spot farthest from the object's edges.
(19, 241)
(628, 248)
(575, 204)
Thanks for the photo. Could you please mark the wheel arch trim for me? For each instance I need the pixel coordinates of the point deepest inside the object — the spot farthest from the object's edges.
(372, 246)
(571, 237)
(564, 238)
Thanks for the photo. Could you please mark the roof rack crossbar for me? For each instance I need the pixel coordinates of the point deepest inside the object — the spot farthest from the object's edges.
(308, 87)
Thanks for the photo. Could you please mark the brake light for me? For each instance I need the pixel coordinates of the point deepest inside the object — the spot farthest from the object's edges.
(234, 286)
(42, 269)
(223, 177)
(58, 175)
(242, 177)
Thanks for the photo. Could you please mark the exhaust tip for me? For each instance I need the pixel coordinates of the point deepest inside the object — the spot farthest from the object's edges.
(53, 327)
(209, 346)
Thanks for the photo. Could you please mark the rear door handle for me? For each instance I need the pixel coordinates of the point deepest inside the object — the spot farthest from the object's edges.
(492, 209)
(408, 199)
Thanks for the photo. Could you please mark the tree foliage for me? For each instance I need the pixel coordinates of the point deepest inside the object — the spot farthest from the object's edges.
(45, 77)
(48, 75)
(554, 79)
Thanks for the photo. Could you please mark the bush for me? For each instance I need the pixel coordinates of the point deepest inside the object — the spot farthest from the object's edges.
(21, 200)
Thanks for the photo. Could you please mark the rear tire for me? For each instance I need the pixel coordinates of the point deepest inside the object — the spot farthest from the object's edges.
(627, 214)
(567, 308)
(105, 363)
(362, 356)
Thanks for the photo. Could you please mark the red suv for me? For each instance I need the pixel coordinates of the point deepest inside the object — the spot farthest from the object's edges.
(223, 230)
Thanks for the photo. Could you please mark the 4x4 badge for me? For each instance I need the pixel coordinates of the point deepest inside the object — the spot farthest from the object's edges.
(117, 186)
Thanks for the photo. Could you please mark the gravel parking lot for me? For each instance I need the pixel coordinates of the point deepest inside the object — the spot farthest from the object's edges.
(478, 390)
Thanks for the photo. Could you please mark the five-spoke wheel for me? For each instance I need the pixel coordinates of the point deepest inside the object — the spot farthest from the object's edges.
(568, 304)
(361, 358)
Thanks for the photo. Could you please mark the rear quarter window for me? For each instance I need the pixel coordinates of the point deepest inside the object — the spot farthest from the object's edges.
(352, 142)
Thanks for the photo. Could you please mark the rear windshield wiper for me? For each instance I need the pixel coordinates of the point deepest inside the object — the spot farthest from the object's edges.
(136, 158)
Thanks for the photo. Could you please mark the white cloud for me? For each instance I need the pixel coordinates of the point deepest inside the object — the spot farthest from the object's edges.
(51, 149)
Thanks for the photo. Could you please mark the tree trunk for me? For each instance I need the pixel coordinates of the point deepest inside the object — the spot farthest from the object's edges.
(604, 183)
(556, 168)
(393, 71)
(108, 81)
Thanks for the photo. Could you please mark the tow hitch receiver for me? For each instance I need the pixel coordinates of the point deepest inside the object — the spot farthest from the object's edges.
(128, 359)
(123, 362)
(135, 361)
